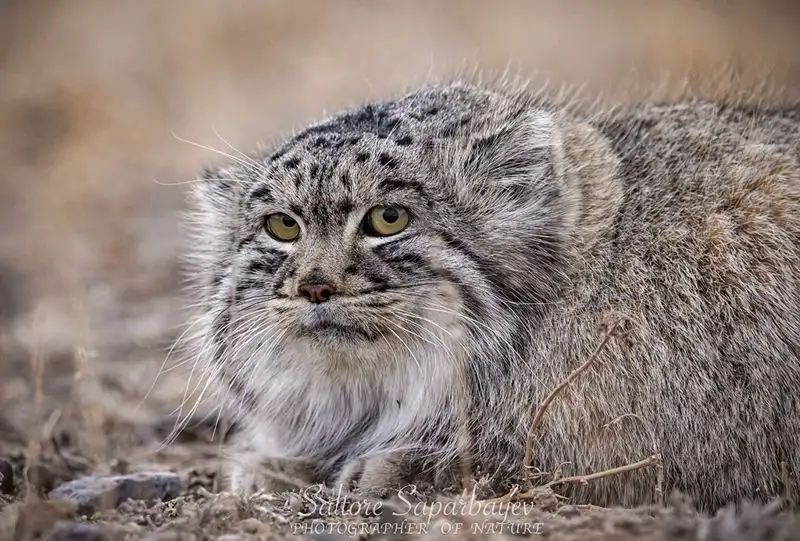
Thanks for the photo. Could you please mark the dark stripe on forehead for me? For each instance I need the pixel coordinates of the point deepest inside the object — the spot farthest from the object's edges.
(345, 207)
(261, 193)
(393, 184)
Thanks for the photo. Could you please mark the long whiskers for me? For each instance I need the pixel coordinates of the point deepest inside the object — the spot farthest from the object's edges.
(246, 163)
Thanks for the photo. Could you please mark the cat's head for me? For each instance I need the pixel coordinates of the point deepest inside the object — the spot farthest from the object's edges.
(389, 226)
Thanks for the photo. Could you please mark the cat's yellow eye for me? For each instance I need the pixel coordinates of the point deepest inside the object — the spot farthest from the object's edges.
(386, 220)
(282, 227)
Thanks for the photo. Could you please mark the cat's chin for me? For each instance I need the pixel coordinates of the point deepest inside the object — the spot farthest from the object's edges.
(340, 350)
(336, 336)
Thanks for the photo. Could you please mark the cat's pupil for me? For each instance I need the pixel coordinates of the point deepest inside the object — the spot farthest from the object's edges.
(391, 215)
(287, 221)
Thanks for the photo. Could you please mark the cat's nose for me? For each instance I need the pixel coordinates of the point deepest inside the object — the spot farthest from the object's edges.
(317, 292)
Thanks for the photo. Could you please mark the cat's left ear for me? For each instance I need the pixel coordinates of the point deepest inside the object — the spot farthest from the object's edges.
(522, 156)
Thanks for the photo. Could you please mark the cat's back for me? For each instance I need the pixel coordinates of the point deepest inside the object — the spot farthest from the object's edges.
(698, 146)
(711, 193)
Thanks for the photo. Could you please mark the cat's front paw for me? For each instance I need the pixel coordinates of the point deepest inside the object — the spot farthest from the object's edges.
(376, 476)
(268, 475)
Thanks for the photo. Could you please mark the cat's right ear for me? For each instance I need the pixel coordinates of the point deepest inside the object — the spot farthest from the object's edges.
(216, 190)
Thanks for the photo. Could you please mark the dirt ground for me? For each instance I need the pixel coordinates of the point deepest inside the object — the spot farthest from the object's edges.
(97, 101)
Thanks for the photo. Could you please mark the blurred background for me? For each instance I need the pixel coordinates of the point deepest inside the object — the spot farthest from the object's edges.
(96, 97)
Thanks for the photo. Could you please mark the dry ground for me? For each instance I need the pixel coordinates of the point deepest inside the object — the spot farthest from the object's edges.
(92, 96)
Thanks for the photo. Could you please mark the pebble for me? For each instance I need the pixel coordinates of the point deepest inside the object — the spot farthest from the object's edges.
(93, 493)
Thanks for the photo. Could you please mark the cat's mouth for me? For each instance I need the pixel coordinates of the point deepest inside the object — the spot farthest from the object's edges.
(341, 323)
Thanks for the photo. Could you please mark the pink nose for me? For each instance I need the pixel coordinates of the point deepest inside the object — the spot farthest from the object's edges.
(317, 292)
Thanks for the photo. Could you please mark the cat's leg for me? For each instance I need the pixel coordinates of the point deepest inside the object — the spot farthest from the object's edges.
(252, 468)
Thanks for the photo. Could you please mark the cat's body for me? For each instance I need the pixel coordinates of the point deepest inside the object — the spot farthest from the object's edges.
(529, 229)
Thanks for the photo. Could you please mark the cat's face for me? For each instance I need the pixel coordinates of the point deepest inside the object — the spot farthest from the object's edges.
(343, 250)
(387, 228)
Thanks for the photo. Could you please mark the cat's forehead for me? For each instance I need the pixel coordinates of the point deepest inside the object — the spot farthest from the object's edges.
(370, 155)
(344, 168)
(428, 112)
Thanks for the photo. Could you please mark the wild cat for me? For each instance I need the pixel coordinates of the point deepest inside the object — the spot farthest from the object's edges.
(399, 286)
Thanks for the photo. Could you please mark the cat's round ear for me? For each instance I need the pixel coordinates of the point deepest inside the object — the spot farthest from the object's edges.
(519, 156)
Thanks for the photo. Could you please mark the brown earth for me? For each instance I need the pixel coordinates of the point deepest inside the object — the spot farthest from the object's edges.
(96, 100)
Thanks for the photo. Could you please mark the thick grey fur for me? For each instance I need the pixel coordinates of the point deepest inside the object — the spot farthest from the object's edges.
(533, 228)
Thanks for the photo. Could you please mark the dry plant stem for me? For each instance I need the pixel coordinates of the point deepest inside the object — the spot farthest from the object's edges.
(653, 460)
(540, 411)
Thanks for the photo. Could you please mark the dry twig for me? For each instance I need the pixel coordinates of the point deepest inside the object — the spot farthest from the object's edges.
(653, 460)
(540, 411)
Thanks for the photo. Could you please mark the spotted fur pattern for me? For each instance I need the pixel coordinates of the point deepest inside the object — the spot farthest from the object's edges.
(531, 227)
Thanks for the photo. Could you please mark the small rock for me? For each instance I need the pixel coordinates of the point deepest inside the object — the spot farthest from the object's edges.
(76, 531)
(93, 493)
(6, 477)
